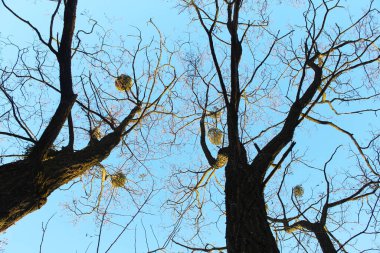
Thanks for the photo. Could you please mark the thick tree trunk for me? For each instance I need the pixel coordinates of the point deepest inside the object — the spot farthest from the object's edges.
(26, 184)
(247, 229)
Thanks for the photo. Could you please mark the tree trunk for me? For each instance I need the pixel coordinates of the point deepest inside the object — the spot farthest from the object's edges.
(26, 184)
(247, 229)
(324, 240)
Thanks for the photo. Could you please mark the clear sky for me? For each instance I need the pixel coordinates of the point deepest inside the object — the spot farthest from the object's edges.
(65, 232)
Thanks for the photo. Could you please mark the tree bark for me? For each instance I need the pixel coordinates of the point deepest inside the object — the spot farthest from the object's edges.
(324, 240)
(68, 97)
(26, 184)
(247, 229)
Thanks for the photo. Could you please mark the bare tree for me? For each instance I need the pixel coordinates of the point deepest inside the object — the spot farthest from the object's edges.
(256, 92)
(98, 119)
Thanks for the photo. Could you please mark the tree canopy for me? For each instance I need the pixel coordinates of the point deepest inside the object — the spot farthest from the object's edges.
(257, 126)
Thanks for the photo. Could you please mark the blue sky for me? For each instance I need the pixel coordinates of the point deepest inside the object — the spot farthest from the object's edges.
(67, 234)
(64, 233)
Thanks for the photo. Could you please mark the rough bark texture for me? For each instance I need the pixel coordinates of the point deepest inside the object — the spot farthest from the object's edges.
(247, 226)
(25, 185)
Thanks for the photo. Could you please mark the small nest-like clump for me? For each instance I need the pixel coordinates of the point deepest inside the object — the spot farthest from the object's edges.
(118, 180)
(96, 133)
(215, 136)
(221, 159)
(298, 191)
(123, 82)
